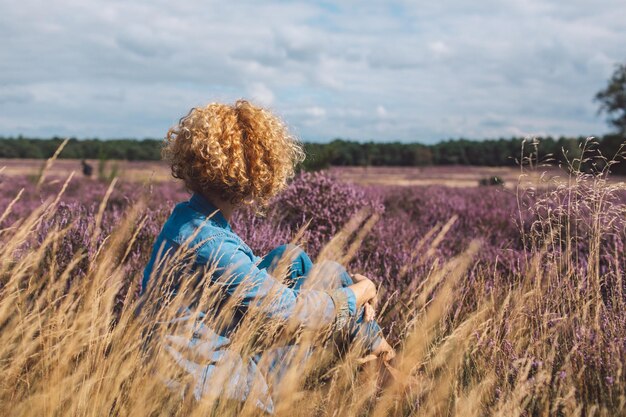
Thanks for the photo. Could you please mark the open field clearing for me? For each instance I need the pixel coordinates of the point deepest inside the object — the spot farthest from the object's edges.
(449, 176)
(140, 171)
(499, 301)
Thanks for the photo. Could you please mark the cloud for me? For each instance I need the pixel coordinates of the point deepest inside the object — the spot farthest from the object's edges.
(316, 111)
(13, 95)
(382, 70)
(261, 94)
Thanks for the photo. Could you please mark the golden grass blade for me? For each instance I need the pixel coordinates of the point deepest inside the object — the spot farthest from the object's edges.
(50, 162)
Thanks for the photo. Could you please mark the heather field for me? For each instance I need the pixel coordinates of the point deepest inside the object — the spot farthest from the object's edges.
(503, 301)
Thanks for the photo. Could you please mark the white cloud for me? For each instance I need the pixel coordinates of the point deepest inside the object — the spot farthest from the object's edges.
(261, 94)
(439, 48)
(316, 111)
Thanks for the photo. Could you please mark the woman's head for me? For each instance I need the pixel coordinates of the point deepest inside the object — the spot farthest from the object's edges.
(238, 152)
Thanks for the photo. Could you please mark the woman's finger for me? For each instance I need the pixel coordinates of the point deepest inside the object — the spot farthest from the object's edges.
(358, 277)
(389, 355)
(374, 301)
(369, 313)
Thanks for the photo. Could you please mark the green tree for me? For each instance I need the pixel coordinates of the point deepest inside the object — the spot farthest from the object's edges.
(613, 99)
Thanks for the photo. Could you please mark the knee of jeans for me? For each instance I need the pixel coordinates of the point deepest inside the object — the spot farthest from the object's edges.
(338, 270)
(291, 248)
(300, 261)
(294, 251)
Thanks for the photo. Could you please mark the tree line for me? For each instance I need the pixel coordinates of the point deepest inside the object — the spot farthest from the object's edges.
(499, 152)
(127, 149)
(339, 152)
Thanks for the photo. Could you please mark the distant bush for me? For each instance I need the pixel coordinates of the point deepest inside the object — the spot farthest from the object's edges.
(324, 203)
(494, 180)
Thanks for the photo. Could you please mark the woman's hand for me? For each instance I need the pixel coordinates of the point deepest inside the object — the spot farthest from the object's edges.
(361, 278)
(384, 351)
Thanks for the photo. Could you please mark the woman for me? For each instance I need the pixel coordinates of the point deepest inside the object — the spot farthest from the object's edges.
(230, 156)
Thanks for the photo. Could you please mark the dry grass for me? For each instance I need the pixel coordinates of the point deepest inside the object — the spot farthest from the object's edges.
(72, 347)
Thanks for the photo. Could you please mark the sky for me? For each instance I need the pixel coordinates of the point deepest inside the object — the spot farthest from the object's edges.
(365, 69)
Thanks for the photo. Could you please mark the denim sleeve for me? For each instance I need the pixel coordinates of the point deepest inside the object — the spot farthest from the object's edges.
(239, 276)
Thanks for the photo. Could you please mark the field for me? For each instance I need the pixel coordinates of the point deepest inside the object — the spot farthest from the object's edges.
(449, 176)
(500, 300)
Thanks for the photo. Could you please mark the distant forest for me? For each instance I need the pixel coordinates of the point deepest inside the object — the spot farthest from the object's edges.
(339, 152)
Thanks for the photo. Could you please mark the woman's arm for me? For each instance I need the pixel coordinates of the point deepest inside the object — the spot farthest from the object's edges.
(255, 288)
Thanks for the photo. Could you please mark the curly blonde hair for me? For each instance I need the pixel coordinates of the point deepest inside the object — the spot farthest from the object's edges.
(242, 152)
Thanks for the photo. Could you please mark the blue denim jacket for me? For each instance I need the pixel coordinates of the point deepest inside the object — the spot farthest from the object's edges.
(199, 225)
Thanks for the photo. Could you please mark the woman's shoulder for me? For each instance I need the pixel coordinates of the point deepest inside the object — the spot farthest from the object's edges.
(205, 235)
(186, 226)
(225, 247)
